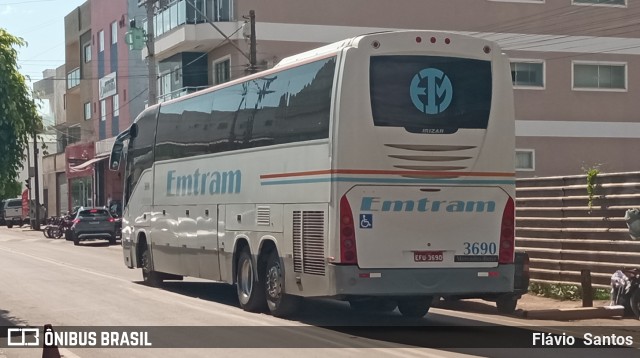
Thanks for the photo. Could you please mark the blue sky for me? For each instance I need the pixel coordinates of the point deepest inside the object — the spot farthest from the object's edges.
(41, 24)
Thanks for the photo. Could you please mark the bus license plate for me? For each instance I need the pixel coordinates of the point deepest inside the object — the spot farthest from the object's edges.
(428, 256)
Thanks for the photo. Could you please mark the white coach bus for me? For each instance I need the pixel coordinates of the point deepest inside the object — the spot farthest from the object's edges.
(377, 170)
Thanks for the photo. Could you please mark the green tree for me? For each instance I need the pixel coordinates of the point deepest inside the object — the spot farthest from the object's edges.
(11, 190)
(19, 117)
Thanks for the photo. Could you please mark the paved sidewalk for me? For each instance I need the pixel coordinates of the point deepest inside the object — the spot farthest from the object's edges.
(534, 307)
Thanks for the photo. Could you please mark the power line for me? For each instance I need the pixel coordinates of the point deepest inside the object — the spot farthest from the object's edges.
(126, 104)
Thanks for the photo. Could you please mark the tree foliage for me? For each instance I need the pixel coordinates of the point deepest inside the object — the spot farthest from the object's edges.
(19, 117)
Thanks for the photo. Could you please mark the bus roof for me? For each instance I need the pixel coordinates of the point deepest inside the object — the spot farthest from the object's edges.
(327, 49)
(353, 41)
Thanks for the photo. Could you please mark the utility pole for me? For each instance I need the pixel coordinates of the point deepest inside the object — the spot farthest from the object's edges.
(151, 63)
(252, 38)
(36, 181)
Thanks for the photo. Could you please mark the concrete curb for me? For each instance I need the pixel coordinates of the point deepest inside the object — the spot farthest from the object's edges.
(571, 314)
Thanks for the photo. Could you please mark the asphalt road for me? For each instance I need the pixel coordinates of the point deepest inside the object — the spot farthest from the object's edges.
(45, 281)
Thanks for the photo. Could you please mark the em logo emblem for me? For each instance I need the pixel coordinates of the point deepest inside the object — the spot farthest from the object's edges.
(435, 97)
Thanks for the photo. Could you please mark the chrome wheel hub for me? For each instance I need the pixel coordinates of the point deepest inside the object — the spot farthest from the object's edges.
(245, 281)
(274, 285)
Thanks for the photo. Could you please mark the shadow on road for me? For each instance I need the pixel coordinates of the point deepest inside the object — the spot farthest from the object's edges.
(326, 318)
(6, 320)
(327, 312)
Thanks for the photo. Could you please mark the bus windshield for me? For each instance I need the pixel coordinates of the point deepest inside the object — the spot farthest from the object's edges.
(422, 93)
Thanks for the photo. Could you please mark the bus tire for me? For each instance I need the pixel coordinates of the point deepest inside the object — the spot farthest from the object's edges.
(507, 304)
(9, 224)
(249, 290)
(280, 304)
(415, 307)
(149, 276)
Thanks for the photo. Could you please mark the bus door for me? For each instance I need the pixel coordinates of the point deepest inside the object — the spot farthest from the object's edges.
(225, 247)
(164, 239)
(207, 242)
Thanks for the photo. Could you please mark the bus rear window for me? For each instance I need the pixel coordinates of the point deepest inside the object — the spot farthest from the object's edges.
(430, 94)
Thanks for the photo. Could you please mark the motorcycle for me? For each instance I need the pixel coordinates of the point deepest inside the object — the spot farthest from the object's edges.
(59, 226)
(50, 223)
(625, 290)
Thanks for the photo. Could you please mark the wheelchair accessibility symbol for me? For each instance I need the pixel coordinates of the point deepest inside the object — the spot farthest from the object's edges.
(366, 221)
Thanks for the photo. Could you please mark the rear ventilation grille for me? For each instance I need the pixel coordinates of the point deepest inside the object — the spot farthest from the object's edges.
(263, 216)
(308, 242)
(425, 159)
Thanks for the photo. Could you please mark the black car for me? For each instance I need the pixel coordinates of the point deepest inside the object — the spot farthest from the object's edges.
(93, 223)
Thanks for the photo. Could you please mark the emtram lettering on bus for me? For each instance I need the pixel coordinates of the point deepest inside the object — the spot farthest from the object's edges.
(423, 205)
(201, 183)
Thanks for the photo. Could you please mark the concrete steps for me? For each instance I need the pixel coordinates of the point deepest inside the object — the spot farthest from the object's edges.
(563, 235)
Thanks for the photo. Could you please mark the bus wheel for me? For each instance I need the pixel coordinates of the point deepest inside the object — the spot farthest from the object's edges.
(280, 304)
(149, 277)
(250, 295)
(415, 307)
(507, 304)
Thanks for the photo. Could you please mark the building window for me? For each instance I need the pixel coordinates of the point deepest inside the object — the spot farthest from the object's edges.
(101, 41)
(527, 73)
(74, 134)
(525, 159)
(114, 32)
(116, 105)
(221, 71)
(601, 2)
(73, 78)
(87, 111)
(599, 76)
(87, 53)
(103, 110)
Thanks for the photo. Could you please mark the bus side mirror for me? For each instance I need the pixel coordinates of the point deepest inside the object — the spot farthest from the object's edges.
(116, 155)
(133, 131)
(118, 146)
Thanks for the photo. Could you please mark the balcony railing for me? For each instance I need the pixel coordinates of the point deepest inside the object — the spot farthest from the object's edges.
(73, 78)
(181, 12)
(179, 93)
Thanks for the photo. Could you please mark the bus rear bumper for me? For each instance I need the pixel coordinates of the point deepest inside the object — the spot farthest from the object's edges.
(472, 282)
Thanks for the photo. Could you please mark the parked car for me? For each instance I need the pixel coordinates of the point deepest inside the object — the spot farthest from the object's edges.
(13, 212)
(2, 222)
(91, 224)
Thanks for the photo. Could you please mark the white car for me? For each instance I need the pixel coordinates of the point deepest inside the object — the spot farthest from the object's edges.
(13, 212)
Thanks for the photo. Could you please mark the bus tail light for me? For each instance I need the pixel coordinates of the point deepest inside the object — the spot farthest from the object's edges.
(348, 254)
(507, 234)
